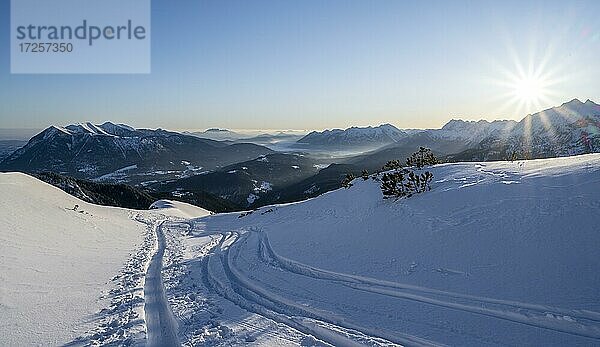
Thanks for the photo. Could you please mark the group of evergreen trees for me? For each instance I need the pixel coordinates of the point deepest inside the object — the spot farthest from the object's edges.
(392, 165)
(365, 175)
(347, 182)
(404, 183)
(401, 182)
(423, 157)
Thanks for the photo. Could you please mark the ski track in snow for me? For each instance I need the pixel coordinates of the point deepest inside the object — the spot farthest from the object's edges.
(261, 295)
(583, 323)
(161, 325)
(227, 255)
(122, 323)
(200, 303)
(220, 275)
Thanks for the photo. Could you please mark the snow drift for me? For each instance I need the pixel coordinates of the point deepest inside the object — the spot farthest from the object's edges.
(179, 209)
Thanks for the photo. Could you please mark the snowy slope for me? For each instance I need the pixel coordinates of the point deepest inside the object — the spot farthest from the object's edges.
(496, 254)
(56, 262)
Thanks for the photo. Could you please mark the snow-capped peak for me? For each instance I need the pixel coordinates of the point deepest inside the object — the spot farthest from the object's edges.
(51, 131)
(472, 131)
(106, 129)
(86, 128)
(116, 129)
(60, 129)
(355, 136)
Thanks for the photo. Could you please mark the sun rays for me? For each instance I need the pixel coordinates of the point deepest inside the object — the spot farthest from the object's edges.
(527, 82)
(528, 90)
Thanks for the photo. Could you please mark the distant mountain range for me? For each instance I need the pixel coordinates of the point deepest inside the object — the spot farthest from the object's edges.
(469, 132)
(355, 137)
(242, 173)
(254, 137)
(570, 129)
(117, 152)
(218, 134)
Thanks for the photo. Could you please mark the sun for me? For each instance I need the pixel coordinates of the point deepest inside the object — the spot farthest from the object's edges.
(529, 90)
(527, 86)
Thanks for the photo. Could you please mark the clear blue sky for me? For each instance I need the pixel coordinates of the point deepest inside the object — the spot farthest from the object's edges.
(308, 64)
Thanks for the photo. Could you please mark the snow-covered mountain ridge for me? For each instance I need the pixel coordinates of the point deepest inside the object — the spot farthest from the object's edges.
(354, 136)
(572, 128)
(472, 132)
(106, 151)
(569, 129)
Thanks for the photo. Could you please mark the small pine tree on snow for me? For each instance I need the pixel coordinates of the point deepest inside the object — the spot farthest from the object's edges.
(390, 184)
(423, 157)
(405, 183)
(347, 182)
(392, 165)
(365, 175)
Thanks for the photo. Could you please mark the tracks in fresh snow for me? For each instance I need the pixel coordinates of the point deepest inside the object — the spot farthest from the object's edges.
(161, 325)
(348, 310)
(576, 322)
(221, 276)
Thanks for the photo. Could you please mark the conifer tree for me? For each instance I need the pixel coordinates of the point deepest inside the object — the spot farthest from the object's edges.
(392, 165)
(365, 175)
(423, 157)
(347, 182)
(405, 183)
